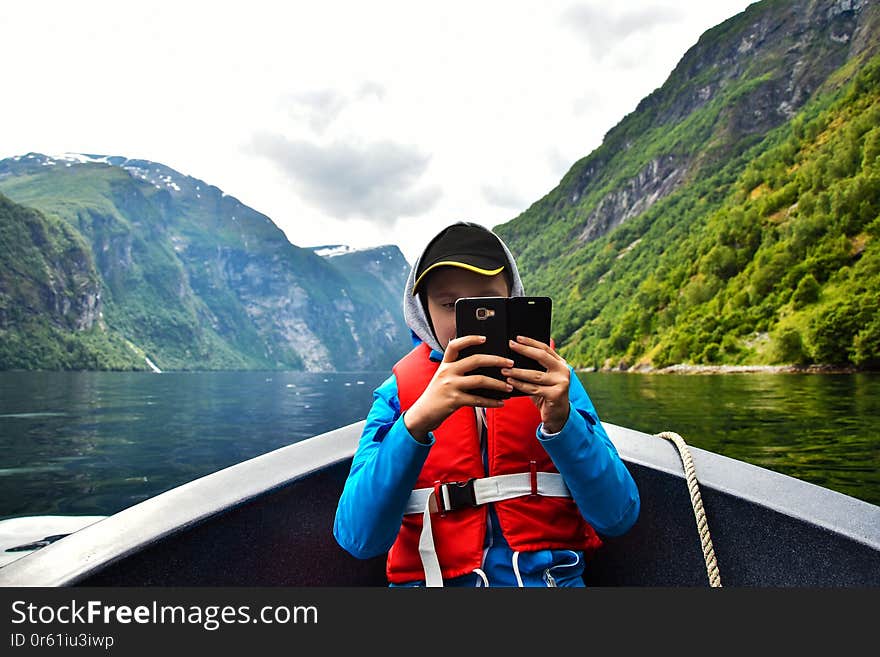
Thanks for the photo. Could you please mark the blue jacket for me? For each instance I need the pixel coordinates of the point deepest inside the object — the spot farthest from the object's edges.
(388, 461)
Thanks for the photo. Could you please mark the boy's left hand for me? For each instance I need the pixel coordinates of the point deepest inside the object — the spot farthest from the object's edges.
(548, 390)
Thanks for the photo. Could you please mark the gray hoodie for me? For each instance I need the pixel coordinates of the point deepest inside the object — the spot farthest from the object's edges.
(414, 314)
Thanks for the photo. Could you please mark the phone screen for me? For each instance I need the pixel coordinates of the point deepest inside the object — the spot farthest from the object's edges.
(501, 319)
(529, 316)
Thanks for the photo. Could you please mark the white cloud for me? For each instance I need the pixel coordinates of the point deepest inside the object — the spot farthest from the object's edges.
(320, 108)
(375, 180)
(603, 29)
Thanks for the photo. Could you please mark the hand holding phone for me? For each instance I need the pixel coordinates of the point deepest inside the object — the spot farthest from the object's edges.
(452, 387)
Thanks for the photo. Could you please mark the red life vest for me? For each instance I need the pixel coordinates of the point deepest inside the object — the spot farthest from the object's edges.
(530, 522)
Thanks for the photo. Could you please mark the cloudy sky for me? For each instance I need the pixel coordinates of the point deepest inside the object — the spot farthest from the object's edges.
(362, 123)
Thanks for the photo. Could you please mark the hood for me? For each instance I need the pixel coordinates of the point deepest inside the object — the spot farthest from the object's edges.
(416, 316)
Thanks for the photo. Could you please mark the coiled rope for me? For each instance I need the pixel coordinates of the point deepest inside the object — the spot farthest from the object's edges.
(697, 503)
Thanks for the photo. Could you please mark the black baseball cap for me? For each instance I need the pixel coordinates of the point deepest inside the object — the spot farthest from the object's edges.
(465, 245)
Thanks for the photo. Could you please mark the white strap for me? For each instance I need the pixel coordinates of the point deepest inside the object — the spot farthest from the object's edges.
(486, 490)
(482, 574)
(430, 562)
(496, 489)
(515, 563)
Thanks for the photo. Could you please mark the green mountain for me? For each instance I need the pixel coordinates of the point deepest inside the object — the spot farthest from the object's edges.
(733, 216)
(180, 273)
(50, 298)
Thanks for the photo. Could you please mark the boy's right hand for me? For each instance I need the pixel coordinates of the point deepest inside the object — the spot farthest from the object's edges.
(450, 387)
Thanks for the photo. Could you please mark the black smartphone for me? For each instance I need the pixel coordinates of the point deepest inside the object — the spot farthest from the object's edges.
(501, 319)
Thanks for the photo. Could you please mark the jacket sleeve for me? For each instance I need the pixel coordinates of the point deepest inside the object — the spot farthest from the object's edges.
(383, 472)
(599, 481)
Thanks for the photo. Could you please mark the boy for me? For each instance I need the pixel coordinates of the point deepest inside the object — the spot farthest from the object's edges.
(462, 490)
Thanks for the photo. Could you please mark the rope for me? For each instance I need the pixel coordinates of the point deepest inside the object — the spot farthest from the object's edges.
(697, 503)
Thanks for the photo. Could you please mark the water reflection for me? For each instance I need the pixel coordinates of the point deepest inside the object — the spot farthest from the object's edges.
(94, 443)
(820, 428)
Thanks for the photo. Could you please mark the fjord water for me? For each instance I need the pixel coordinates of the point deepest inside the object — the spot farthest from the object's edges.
(822, 428)
(93, 443)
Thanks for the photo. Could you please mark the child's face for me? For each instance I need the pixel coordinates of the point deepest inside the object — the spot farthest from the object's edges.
(447, 284)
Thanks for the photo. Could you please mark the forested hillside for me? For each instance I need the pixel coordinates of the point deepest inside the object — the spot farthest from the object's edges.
(50, 302)
(744, 240)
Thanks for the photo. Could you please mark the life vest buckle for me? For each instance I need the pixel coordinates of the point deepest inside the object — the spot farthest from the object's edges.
(455, 495)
